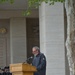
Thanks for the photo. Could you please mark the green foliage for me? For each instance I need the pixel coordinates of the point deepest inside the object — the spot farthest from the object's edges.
(10, 1)
(26, 13)
(37, 3)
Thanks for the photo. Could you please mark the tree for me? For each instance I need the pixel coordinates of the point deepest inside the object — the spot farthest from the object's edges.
(70, 42)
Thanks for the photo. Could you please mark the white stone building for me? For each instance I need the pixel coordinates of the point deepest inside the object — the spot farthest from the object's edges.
(45, 27)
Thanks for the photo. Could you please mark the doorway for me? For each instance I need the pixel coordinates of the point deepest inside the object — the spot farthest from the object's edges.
(32, 29)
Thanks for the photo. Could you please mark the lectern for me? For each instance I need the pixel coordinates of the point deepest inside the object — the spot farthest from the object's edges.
(22, 69)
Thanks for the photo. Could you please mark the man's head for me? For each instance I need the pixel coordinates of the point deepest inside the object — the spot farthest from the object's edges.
(6, 68)
(35, 50)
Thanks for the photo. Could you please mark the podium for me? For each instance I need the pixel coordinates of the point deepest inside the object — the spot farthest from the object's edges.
(22, 69)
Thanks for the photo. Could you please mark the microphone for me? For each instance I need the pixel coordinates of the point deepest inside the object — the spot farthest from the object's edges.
(29, 58)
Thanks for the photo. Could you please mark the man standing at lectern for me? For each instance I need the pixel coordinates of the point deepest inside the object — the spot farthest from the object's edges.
(39, 61)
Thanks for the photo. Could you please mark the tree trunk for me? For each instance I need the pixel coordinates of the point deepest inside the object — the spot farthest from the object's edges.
(70, 42)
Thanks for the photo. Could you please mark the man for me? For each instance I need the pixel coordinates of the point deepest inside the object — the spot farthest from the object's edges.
(39, 61)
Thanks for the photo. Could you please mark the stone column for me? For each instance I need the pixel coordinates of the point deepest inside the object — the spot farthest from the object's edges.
(18, 40)
(51, 18)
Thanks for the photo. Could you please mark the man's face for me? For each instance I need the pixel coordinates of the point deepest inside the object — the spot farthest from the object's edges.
(34, 51)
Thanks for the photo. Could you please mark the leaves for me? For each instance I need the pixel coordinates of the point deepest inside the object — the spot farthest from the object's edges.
(10, 1)
(36, 3)
(26, 13)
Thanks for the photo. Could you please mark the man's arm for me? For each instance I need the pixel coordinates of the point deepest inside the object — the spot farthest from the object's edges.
(42, 62)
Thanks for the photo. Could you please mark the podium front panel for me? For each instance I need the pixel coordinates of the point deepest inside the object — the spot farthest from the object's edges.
(22, 73)
(20, 67)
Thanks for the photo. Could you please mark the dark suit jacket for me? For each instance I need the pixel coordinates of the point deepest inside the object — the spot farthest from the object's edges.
(39, 62)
